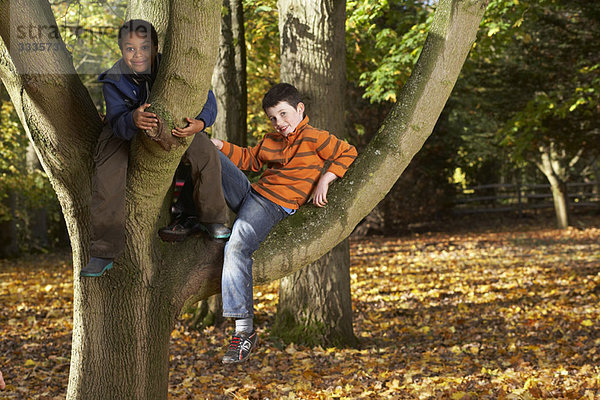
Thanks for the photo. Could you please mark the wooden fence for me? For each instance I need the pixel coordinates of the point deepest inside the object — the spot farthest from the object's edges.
(519, 198)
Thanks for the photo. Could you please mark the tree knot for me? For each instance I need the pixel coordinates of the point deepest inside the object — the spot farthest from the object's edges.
(163, 136)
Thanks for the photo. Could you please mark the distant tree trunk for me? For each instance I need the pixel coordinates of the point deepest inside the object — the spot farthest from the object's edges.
(9, 244)
(229, 86)
(552, 167)
(38, 219)
(315, 305)
(207, 312)
(596, 190)
(229, 77)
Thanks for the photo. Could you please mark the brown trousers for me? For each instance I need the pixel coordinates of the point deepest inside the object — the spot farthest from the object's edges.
(108, 189)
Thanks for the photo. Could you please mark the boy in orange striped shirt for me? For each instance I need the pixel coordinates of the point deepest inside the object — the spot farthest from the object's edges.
(294, 157)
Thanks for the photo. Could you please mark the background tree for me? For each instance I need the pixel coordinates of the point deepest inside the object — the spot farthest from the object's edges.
(528, 96)
(315, 304)
(229, 79)
(229, 84)
(262, 60)
(555, 63)
(123, 320)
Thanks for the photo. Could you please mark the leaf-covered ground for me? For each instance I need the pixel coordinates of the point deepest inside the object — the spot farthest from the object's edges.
(504, 313)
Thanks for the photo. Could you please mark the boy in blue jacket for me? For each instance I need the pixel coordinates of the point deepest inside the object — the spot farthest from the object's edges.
(126, 89)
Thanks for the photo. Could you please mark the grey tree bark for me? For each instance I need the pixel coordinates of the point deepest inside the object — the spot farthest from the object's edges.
(229, 86)
(154, 11)
(123, 320)
(315, 304)
(229, 78)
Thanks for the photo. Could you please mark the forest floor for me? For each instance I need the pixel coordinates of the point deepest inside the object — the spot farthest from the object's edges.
(482, 311)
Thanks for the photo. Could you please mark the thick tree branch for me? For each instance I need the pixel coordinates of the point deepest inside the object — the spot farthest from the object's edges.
(190, 50)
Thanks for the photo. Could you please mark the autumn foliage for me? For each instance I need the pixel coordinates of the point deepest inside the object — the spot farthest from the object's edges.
(504, 313)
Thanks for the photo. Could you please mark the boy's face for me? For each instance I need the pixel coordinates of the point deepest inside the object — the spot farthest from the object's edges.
(138, 52)
(284, 117)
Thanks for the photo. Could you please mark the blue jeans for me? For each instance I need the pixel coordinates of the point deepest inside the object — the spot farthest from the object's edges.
(256, 216)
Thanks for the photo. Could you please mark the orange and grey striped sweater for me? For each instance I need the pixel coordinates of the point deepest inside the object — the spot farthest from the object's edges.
(293, 163)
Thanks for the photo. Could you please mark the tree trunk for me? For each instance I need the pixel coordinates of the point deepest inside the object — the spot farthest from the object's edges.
(9, 243)
(550, 167)
(37, 224)
(154, 11)
(315, 305)
(206, 313)
(310, 233)
(126, 318)
(229, 86)
(560, 197)
(229, 77)
(122, 320)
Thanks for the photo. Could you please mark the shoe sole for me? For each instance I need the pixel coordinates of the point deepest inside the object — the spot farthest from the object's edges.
(205, 230)
(171, 237)
(97, 274)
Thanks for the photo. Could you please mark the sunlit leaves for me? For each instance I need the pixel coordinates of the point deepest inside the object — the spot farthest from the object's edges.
(384, 41)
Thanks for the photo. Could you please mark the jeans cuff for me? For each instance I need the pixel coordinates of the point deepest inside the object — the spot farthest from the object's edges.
(237, 315)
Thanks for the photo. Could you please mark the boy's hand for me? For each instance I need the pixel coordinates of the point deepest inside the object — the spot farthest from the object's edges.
(194, 126)
(320, 193)
(217, 142)
(144, 120)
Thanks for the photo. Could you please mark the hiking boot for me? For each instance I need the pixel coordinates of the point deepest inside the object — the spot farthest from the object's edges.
(180, 229)
(240, 347)
(96, 267)
(216, 231)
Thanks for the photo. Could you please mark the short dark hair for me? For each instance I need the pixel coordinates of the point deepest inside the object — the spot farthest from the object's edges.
(282, 92)
(139, 27)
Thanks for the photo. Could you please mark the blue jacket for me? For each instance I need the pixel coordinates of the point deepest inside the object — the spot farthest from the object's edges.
(123, 96)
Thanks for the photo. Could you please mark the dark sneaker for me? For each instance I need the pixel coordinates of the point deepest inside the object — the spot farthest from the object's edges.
(240, 347)
(216, 231)
(180, 229)
(96, 267)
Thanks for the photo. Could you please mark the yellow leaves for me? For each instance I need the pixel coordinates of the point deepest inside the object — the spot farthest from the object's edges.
(464, 316)
(291, 349)
(175, 334)
(30, 363)
(492, 31)
(463, 395)
(394, 384)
